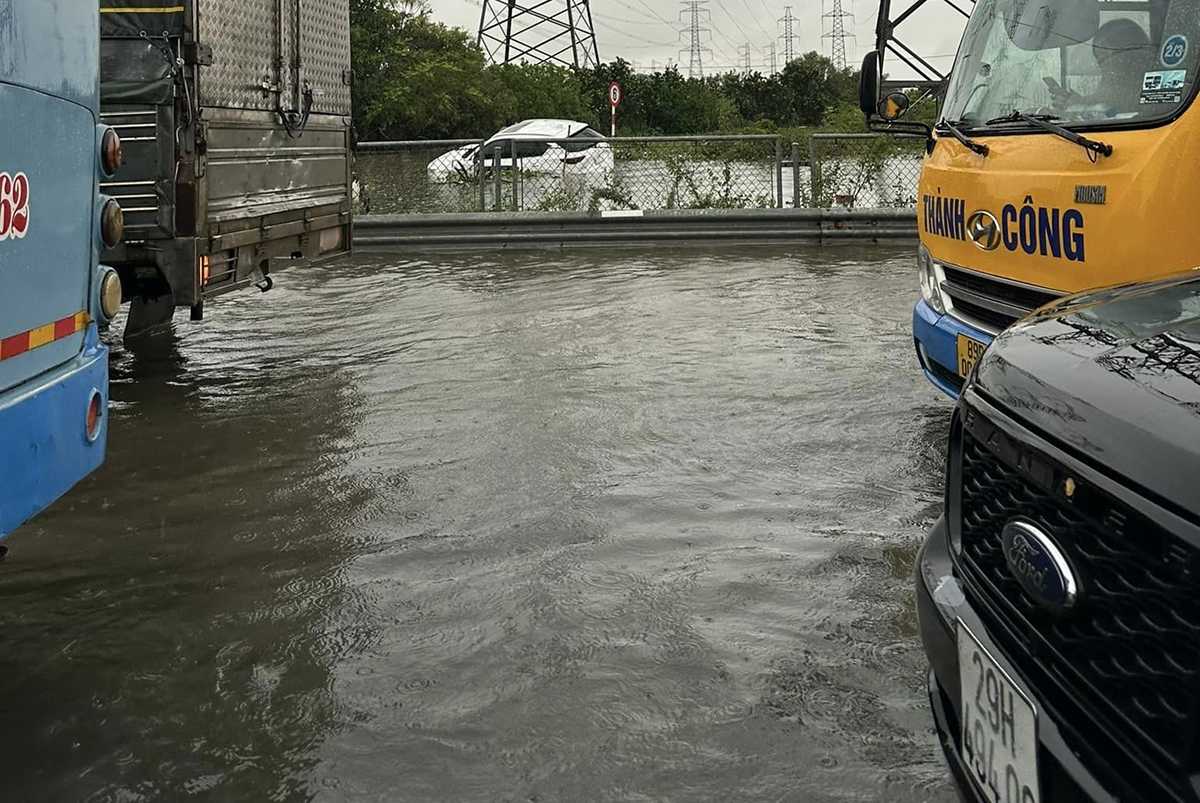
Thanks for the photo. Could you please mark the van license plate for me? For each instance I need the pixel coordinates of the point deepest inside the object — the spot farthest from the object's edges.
(969, 352)
(999, 727)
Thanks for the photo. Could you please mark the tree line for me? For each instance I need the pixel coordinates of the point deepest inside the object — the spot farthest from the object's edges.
(415, 78)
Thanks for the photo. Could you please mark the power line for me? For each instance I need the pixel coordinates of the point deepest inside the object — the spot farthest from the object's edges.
(635, 37)
(755, 19)
(624, 23)
(733, 19)
(655, 13)
(652, 12)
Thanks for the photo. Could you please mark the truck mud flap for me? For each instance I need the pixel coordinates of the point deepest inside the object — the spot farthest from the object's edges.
(149, 315)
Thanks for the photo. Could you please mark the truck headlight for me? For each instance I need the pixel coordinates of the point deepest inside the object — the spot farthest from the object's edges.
(928, 276)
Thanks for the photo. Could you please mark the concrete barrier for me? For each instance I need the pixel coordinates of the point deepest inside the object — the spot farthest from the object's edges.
(578, 229)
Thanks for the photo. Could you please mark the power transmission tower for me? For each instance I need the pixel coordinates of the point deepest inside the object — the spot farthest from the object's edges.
(542, 31)
(772, 57)
(744, 54)
(837, 35)
(789, 36)
(888, 42)
(696, 11)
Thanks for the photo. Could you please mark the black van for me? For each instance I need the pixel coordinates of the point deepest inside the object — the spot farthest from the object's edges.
(1059, 594)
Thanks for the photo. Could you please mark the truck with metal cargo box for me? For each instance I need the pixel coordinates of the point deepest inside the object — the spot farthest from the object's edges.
(235, 120)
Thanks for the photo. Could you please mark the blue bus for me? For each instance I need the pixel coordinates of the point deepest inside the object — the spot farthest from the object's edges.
(54, 293)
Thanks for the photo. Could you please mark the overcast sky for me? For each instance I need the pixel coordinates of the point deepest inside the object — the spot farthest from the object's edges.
(651, 32)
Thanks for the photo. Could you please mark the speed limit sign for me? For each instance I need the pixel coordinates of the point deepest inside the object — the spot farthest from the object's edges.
(614, 94)
(614, 100)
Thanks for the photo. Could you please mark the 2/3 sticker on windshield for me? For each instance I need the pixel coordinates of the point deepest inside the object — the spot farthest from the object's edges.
(14, 206)
(1174, 51)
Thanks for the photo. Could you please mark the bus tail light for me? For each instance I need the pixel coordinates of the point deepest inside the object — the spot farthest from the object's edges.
(110, 294)
(112, 155)
(112, 223)
(95, 416)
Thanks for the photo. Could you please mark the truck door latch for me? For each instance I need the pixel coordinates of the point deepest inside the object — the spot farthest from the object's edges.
(197, 53)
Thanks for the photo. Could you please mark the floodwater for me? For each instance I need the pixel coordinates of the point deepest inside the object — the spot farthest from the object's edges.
(603, 526)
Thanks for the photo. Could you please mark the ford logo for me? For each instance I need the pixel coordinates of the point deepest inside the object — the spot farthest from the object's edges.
(1039, 566)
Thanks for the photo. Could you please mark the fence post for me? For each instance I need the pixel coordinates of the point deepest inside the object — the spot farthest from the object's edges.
(496, 177)
(516, 180)
(796, 175)
(479, 154)
(778, 173)
(814, 170)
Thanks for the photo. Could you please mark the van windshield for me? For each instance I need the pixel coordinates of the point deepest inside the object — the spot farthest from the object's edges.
(1105, 62)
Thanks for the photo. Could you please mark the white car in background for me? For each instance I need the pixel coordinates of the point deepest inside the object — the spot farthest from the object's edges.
(588, 153)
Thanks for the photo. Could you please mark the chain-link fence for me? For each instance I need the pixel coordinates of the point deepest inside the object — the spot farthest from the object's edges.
(864, 171)
(648, 173)
(732, 172)
(397, 177)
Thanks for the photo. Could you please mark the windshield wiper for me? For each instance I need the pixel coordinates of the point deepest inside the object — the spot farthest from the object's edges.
(953, 127)
(1045, 122)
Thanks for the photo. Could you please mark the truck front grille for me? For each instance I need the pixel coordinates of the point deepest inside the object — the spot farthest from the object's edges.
(1126, 662)
(990, 301)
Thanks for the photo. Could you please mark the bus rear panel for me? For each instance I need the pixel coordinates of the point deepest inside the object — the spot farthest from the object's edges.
(53, 367)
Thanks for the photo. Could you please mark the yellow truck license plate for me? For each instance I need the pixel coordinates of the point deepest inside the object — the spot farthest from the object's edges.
(969, 352)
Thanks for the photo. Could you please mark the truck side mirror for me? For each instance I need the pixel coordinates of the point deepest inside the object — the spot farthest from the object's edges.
(868, 83)
(893, 107)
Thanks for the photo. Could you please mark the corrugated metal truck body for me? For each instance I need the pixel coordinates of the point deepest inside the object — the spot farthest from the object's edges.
(235, 119)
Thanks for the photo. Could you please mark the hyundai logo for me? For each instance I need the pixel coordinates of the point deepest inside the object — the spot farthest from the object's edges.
(1039, 566)
(984, 230)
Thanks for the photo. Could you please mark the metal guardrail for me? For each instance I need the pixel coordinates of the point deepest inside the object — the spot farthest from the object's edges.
(556, 229)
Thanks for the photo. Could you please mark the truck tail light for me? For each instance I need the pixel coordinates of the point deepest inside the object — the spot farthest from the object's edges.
(111, 154)
(112, 223)
(205, 270)
(331, 240)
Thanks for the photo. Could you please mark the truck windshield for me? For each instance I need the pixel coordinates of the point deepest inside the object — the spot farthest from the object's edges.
(1107, 62)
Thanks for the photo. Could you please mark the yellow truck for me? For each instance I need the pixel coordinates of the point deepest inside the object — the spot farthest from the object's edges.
(1064, 159)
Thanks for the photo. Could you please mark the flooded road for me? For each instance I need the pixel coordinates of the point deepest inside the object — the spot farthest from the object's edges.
(612, 526)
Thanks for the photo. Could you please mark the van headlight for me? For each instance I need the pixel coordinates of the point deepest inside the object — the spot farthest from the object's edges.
(927, 274)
